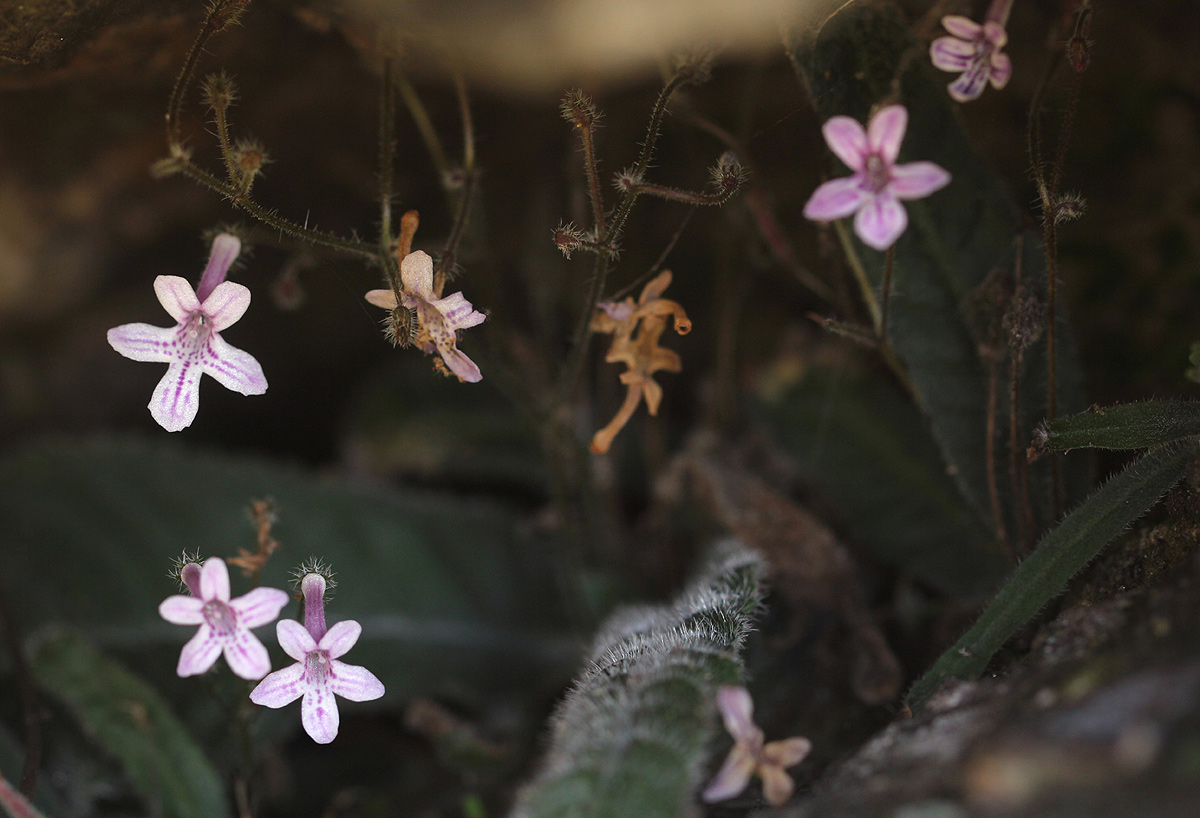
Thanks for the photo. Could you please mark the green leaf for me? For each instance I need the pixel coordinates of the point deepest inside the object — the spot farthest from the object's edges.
(632, 734)
(126, 717)
(449, 591)
(1059, 556)
(870, 449)
(1126, 426)
(955, 238)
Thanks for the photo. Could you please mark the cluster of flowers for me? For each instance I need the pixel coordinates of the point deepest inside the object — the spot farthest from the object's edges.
(226, 626)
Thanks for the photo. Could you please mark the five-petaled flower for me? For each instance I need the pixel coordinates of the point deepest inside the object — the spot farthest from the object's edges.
(750, 756)
(225, 623)
(437, 318)
(974, 50)
(641, 355)
(194, 346)
(878, 184)
(317, 675)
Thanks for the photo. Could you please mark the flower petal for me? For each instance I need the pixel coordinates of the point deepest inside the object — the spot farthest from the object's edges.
(281, 687)
(1001, 70)
(176, 399)
(737, 711)
(880, 222)
(143, 342)
(233, 368)
(416, 272)
(847, 139)
(458, 312)
(319, 714)
(214, 580)
(228, 302)
(971, 84)
(338, 640)
(836, 199)
(915, 180)
(733, 776)
(199, 654)
(177, 297)
(354, 682)
(995, 32)
(951, 53)
(260, 606)
(294, 638)
(246, 655)
(182, 610)
(886, 131)
(225, 249)
(963, 27)
(788, 752)
(460, 364)
(777, 785)
(385, 299)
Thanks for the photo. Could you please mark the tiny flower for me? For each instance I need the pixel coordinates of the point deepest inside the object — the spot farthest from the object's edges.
(874, 192)
(317, 675)
(974, 50)
(750, 756)
(437, 318)
(225, 623)
(194, 346)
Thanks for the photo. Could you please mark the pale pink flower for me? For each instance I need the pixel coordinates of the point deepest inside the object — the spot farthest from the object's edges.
(874, 192)
(225, 623)
(317, 676)
(974, 50)
(750, 756)
(194, 346)
(439, 318)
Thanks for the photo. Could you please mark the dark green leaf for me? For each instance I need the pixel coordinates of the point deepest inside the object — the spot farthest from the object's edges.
(1127, 426)
(126, 717)
(1059, 556)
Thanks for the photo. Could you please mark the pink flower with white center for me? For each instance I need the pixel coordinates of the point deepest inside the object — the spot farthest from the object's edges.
(874, 192)
(439, 318)
(750, 756)
(194, 346)
(974, 50)
(317, 675)
(225, 623)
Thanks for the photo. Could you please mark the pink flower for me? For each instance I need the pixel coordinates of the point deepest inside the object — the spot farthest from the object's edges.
(317, 675)
(439, 318)
(974, 51)
(750, 756)
(194, 345)
(225, 623)
(874, 192)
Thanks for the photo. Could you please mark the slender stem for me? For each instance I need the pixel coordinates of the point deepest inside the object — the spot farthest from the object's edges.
(387, 155)
(420, 115)
(674, 194)
(866, 291)
(990, 452)
(886, 293)
(31, 712)
(175, 102)
(468, 124)
(450, 250)
(465, 194)
(222, 123)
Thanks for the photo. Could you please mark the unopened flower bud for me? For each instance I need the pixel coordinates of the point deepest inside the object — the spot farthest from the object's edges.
(1069, 206)
(626, 180)
(568, 238)
(1079, 47)
(219, 91)
(729, 174)
(578, 109)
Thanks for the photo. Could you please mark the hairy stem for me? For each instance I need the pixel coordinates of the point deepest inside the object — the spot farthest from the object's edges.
(387, 155)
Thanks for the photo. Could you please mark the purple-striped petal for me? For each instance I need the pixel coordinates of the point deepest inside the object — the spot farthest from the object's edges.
(972, 82)
(182, 610)
(886, 130)
(880, 222)
(319, 714)
(246, 655)
(737, 711)
(458, 312)
(214, 580)
(294, 639)
(1001, 70)
(176, 399)
(416, 272)
(733, 776)
(260, 606)
(340, 638)
(963, 27)
(177, 297)
(460, 364)
(225, 249)
(354, 682)
(847, 139)
(951, 54)
(199, 654)
(228, 302)
(281, 687)
(233, 368)
(836, 199)
(915, 180)
(143, 342)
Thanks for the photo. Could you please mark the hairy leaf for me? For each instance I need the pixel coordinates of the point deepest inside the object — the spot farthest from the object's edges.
(1126, 426)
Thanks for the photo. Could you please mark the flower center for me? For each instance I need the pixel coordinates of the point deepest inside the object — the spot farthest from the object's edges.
(878, 173)
(220, 617)
(316, 666)
(199, 327)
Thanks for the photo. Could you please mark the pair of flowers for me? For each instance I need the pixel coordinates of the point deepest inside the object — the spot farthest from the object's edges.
(226, 626)
(194, 346)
